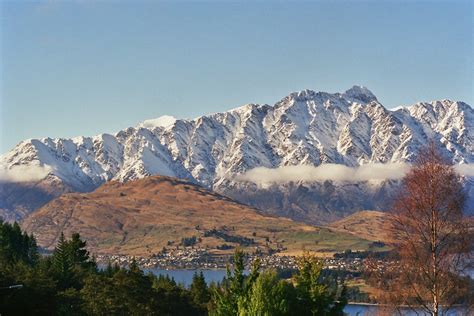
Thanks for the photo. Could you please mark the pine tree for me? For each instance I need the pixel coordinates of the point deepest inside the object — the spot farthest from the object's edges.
(111, 269)
(314, 296)
(16, 246)
(225, 296)
(77, 251)
(199, 290)
(235, 288)
(62, 263)
(79, 254)
(268, 296)
(32, 255)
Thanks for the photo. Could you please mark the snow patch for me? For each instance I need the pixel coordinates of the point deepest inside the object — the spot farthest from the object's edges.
(400, 107)
(162, 121)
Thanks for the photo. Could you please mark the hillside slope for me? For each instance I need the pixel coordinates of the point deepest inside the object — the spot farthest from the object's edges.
(141, 217)
(371, 225)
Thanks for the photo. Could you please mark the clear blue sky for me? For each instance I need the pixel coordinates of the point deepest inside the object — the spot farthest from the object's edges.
(84, 67)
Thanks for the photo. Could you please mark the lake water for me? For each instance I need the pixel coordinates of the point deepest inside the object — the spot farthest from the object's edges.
(185, 277)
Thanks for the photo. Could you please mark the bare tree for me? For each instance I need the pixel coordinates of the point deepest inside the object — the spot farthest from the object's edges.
(430, 237)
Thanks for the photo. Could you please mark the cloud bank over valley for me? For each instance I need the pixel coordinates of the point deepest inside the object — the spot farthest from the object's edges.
(24, 173)
(336, 172)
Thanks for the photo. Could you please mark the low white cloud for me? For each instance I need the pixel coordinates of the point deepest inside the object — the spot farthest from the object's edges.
(465, 169)
(24, 173)
(334, 172)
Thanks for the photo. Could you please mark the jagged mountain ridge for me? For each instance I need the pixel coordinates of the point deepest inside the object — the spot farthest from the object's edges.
(306, 127)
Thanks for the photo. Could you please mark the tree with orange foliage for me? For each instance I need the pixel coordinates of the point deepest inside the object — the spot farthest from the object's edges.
(431, 239)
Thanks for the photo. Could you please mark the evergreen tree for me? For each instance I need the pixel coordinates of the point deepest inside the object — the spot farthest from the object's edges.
(111, 269)
(172, 299)
(37, 296)
(99, 296)
(63, 264)
(235, 287)
(199, 291)
(70, 302)
(268, 296)
(16, 246)
(134, 290)
(78, 252)
(225, 296)
(314, 296)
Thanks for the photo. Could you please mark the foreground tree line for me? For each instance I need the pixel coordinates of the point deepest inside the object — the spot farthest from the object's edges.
(68, 282)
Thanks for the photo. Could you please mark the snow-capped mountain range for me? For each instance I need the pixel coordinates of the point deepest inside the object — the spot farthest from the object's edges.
(304, 128)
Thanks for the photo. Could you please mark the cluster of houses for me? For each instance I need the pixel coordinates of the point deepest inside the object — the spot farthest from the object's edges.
(198, 258)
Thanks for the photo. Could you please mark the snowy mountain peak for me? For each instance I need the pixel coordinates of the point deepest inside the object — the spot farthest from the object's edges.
(162, 121)
(359, 93)
(303, 94)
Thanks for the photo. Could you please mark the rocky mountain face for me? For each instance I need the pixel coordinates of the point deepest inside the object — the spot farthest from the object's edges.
(304, 128)
(18, 199)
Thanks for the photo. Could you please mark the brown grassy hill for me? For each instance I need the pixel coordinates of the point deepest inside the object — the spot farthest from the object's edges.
(143, 216)
(371, 225)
